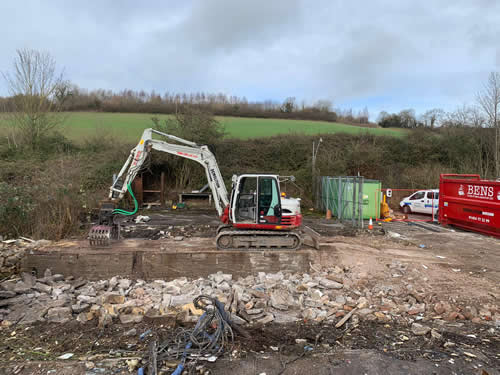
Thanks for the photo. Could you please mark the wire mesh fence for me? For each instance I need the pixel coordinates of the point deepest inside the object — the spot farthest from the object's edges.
(343, 196)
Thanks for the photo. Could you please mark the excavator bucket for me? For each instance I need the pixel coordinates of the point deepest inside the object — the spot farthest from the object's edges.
(311, 237)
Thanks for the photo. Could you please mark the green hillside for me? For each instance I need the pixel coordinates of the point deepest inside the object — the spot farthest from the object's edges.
(80, 125)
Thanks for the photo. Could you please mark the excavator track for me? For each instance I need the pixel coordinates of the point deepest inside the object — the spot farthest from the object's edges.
(258, 240)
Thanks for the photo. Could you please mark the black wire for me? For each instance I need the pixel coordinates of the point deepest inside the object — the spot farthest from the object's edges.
(210, 337)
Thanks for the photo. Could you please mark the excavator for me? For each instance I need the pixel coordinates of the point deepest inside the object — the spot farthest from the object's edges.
(255, 215)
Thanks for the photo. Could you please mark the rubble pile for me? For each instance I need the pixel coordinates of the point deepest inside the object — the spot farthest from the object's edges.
(13, 251)
(280, 297)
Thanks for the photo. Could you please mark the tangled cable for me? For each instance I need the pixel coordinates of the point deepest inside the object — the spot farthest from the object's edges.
(209, 337)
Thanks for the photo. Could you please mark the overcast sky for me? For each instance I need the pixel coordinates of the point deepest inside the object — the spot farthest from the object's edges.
(383, 54)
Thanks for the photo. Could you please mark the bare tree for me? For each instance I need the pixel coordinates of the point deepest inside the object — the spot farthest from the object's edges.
(38, 91)
(459, 118)
(382, 116)
(432, 117)
(408, 118)
(489, 100)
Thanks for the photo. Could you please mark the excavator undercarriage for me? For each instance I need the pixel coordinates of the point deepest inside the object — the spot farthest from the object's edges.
(234, 239)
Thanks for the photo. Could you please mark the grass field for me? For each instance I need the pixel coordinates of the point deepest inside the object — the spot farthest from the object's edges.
(80, 125)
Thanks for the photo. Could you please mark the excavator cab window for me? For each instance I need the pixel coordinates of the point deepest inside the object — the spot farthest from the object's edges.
(269, 201)
(246, 206)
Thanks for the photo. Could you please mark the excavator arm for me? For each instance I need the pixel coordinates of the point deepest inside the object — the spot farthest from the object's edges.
(188, 150)
(108, 228)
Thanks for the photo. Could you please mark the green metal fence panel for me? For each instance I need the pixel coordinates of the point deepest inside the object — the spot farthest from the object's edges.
(349, 197)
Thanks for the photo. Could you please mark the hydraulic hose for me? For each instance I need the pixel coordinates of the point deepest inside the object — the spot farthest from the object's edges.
(136, 205)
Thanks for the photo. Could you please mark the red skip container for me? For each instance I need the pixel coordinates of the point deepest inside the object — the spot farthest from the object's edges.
(468, 202)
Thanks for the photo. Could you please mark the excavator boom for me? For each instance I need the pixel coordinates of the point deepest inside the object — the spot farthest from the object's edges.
(189, 150)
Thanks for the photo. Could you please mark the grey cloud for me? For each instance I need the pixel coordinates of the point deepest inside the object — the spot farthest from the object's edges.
(233, 25)
(390, 53)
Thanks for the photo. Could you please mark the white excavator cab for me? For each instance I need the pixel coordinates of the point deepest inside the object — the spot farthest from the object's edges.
(256, 200)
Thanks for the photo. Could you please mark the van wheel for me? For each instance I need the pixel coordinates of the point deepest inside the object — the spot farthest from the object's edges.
(407, 209)
(436, 216)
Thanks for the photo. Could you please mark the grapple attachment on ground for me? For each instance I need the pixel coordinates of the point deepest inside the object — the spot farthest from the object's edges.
(108, 228)
(100, 235)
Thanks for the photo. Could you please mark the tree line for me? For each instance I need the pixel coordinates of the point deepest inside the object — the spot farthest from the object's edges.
(131, 101)
(484, 113)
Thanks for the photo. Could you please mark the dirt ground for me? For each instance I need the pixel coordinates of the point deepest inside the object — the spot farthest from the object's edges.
(374, 347)
(446, 263)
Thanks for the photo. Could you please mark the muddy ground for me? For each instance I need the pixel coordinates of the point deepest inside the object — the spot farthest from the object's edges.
(445, 262)
(369, 346)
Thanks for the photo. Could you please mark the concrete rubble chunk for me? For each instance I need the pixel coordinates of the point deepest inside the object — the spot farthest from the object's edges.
(253, 311)
(316, 294)
(180, 300)
(173, 289)
(279, 299)
(28, 279)
(7, 294)
(330, 284)
(166, 300)
(266, 319)
(309, 314)
(362, 303)
(131, 318)
(435, 334)
(59, 314)
(14, 300)
(113, 282)
(274, 276)
(124, 283)
(78, 283)
(56, 292)
(42, 288)
(33, 314)
(340, 299)
(365, 311)
(8, 285)
(21, 287)
(418, 308)
(57, 277)
(302, 288)
(451, 316)
(311, 284)
(86, 299)
(419, 329)
(485, 313)
(224, 286)
(78, 308)
(130, 332)
(442, 307)
(237, 320)
(469, 312)
(114, 299)
(84, 317)
(257, 293)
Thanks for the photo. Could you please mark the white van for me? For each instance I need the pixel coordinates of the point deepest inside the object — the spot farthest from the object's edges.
(422, 202)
